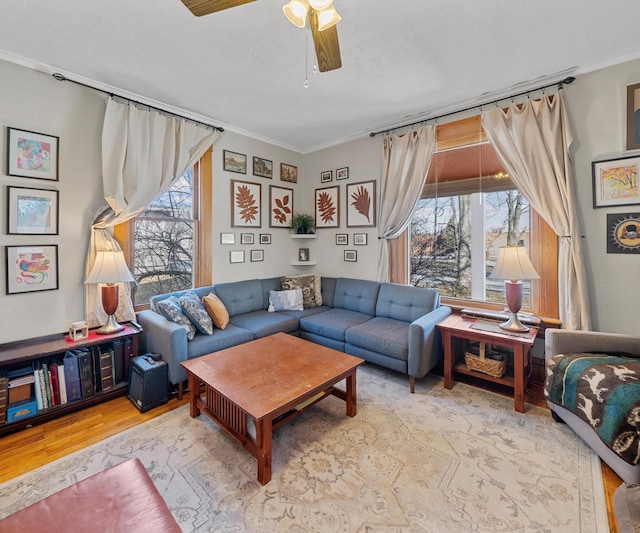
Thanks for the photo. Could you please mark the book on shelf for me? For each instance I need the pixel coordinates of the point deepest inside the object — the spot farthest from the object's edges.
(106, 368)
(4, 395)
(72, 376)
(62, 383)
(55, 384)
(46, 387)
(85, 366)
(118, 347)
(37, 384)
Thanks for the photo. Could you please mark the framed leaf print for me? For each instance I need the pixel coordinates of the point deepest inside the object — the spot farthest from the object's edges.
(361, 204)
(327, 207)
(280, 206)
(246, 204)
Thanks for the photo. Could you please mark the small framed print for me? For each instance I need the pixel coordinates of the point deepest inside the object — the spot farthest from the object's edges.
(633, 116)
(246, 198)
(31, 268)
(361, 204)
(326, 176)
(288, 173)
(262, 167)
(32, 211)
(257, 256)
(32, 155)
(236, 256)
(623, 233)
(227, 238)
(342, 173)
(342, 239)
(265, 238)
(246, 238)
(327, 207)
(234, 162)
(303, 254)
(360, 239)
(351, 255)
(615, 182)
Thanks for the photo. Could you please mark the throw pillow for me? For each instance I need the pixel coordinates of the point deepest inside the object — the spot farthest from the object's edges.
(285, 300)
(171, 310)
(310, 286)
(194, 310)
(216, 309)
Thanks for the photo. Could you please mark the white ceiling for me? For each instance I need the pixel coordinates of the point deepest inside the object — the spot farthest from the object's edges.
(243, 68)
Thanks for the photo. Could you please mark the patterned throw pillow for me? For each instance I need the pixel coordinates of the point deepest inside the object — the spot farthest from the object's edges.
(194, 309)
(285, 300)
(310, 286)
(171, 310)
(216, 309)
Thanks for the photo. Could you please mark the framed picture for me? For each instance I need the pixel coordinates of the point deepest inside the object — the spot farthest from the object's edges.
(236, 256)
(361, 204)
(234, 162)
(246, 204)
(615, 181)
(342, 173)
(326, 176)
(623, 233)
(32, 211)
(280, 206)
(31, 268)
(342, 239)
(327, 207)
(257, 255)
(360, 239)
(303, 254)
(246, 238)
(351, 255)
(288, 173)
(633, 116)
(32, 155)
(262, 167)
(265, 238)
(227, 238)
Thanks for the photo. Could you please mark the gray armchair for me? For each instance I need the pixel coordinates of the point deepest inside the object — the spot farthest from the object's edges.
(624, 352)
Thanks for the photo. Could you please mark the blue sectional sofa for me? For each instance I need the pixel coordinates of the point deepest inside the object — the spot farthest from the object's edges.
(384, 323)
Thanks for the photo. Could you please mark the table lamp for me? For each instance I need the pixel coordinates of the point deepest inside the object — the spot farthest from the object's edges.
(109, 268)
(513, 266)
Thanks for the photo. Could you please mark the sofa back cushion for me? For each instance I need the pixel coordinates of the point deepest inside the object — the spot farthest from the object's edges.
(268, 285)
(201, 292)
(356, 295)
(404, 302)
(241, 297)
(328, 288)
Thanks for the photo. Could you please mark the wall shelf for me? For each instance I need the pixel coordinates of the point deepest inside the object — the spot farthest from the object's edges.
(303, 235)
(303, 263)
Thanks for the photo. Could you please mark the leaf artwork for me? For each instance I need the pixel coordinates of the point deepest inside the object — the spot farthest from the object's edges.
(362, 202)
(326, 208)
(246, 204)
(282, 210)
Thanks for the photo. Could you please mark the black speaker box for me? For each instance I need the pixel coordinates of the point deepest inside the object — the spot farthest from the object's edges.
(148, 382)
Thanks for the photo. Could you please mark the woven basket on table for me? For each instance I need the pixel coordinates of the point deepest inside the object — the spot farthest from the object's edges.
(476, 359)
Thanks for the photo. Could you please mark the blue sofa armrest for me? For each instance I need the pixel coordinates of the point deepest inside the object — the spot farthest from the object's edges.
(425, 342)
(166, 338)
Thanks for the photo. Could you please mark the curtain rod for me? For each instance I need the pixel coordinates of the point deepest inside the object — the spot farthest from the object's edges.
(565, 81)
(61, 77)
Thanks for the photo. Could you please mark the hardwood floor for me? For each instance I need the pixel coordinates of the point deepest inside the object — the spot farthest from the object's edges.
(34, 447)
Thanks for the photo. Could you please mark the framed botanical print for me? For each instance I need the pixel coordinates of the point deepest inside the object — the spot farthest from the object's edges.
(327, 207)
(615, 181)
(361, 204)
(31, 268)
(246, 204)
(32, 211)
(280, 206)
(234, 162)
(32, 155)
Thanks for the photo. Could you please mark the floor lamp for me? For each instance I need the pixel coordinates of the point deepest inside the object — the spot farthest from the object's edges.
(513, 266)
(110, 268)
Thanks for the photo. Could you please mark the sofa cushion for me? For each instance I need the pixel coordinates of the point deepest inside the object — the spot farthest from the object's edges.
(194, 310)
(383, 335)
(170, 308)
(216, 310)
(307, 312)
(241, 297)
(285, 301)
(221, 339)
(310, 286)
(356, 295)
(328, 288)
(332, 323)
(402, 302)
(268, 285)
(263, 323)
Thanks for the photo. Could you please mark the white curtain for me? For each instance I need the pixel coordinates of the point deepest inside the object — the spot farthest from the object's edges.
(533, 141)
(143, 152)
(405, 164)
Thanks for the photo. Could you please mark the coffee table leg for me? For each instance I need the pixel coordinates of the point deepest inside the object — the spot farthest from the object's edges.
(194, 390)
(352, 404)
(263, 449)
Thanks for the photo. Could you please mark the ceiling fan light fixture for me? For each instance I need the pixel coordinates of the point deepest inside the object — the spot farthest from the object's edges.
(319, 5)
(296, 11)
(327, 18)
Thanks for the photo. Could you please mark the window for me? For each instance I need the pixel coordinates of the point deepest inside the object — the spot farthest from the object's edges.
(168, 244)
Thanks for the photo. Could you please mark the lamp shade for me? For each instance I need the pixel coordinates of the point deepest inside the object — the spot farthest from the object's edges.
(327, 18)
(296, 11)
(109, 267)
(513, 264)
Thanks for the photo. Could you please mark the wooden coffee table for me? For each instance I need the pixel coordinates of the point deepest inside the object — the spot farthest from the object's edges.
(252, 388)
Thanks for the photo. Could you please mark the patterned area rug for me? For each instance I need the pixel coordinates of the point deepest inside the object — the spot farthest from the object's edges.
(437, 460)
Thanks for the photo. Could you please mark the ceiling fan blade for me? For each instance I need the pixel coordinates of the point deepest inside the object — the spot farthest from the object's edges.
(326, 45)
(205, 7)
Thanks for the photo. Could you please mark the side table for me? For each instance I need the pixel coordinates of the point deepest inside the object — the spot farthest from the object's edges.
(456, 330)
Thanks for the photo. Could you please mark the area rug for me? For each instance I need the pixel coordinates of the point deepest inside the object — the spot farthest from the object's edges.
(435, 461)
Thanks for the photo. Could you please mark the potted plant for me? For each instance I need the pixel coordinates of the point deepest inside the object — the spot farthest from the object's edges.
(302, 223)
